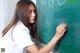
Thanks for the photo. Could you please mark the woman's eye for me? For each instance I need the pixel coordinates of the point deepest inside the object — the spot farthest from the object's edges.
(30, 11)
(34, 11)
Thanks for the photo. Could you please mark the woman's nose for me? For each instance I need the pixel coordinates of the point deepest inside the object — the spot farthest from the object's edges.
(33, 14)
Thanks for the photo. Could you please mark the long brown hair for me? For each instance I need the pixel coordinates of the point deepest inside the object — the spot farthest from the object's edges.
(21, 13)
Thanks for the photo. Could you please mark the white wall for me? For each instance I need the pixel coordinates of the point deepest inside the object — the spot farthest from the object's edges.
(34, 1)
(2, 17)
(10, 10)
(7, 8)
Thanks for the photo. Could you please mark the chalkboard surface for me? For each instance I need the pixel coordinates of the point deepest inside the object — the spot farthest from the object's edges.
(53, 12)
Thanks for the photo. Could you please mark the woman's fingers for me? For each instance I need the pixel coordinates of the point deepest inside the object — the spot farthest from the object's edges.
(61, 28)
(64, 31)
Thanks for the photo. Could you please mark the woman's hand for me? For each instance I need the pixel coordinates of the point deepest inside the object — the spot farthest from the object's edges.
(60, 30)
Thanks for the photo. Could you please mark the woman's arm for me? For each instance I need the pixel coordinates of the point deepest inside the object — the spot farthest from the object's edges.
(60, 30)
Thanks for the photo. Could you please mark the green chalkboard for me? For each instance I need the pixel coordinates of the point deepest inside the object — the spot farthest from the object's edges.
(53, 12)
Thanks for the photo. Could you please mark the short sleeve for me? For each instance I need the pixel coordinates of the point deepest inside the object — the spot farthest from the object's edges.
(22, 38)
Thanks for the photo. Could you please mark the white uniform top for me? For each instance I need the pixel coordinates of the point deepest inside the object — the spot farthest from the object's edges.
(15, 41)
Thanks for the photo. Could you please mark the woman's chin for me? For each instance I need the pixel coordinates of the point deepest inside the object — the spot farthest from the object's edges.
(32, 22)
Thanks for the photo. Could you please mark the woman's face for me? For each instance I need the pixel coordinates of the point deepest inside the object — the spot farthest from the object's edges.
(32, 14)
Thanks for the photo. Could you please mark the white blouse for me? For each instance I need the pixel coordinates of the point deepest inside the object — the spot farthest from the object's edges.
(16, 39)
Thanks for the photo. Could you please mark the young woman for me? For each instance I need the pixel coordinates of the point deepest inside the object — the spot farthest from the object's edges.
(20, 34)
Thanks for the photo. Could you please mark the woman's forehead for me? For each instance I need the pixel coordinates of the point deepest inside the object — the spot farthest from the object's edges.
(31, 7)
